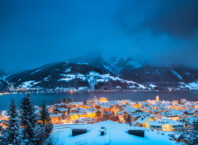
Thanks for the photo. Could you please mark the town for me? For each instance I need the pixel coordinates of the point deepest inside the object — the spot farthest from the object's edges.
(151, 114)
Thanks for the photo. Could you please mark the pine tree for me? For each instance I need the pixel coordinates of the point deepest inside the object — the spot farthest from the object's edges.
(45, 122)
(69, 110)
(128, 119)
(12, 134)
(28, 120)
(1, 128)
(190, 137)
(99, 115)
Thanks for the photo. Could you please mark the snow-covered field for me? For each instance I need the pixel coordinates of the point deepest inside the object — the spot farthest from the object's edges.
(116, 135)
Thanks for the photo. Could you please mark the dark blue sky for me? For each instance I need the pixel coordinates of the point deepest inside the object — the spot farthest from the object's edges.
(36, 32)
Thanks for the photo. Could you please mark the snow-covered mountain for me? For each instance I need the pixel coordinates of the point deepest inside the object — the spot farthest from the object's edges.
(97, 73)
(112, 64)
(153, 77)
(163, 77)
(67, 75)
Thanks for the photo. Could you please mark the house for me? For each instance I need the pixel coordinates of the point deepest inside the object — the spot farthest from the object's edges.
(61, 110)
(143, 121)
(137, 105)
(122, 115)
(154, 125)
(171, 125)
(103, 100)
(55, 117)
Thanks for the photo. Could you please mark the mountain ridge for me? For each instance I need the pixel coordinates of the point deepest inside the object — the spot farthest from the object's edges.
(67, 75)
(100, 74)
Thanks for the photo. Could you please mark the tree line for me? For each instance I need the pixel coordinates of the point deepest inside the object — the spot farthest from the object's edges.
(25, 126)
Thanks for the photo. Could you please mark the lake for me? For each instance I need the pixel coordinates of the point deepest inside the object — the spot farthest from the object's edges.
(53, 98)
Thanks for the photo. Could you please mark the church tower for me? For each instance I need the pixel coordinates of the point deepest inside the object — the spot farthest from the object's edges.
(157, 98)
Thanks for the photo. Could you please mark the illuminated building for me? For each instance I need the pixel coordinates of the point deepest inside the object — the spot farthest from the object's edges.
(103, 100)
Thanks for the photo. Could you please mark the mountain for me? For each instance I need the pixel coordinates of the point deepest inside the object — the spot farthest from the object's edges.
(163, 77)
(96, 73)
(153, 77)
(66, 75)
(112, 64)
(3, 82)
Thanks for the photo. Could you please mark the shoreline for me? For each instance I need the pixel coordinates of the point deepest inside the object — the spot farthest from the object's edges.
(72, 91)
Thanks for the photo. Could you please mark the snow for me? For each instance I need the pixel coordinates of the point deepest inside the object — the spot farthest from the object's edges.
(68, 77)
(82, 88)
(116, 134)
(154, 123)
(47, 78)
(152, 85)
(176, 74)
(56, 115)
(142, 119)
(172, 122)
(4, 113)
(118, 87)
(109, 68)
(192, 86)
(68, 70)
(28, 84)
(37, 70)
(94, 77)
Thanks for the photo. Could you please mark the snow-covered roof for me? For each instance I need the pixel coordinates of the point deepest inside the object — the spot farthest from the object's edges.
(172, 122)
(56, 115)
(62, 109)
(76, 103)
(4, 113)
(142, 119)
(154, 123)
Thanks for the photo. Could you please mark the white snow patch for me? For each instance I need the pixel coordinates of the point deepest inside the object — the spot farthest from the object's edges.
(68, 70)
(68, 77)
(28, 84)
(37, 70)
(82, 88)
(109, 68)
(152, 85)
(47, 78)
(192, 86)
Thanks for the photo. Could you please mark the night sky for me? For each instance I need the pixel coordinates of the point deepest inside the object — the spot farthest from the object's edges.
(36, 32)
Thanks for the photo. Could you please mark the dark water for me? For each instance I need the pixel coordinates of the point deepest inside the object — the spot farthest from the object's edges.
(37, 99)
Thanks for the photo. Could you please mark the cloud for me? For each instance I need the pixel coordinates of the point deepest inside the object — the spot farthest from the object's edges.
(175, 18)
(178, 18)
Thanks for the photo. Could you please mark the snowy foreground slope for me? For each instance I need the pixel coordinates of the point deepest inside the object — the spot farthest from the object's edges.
(116, 135)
